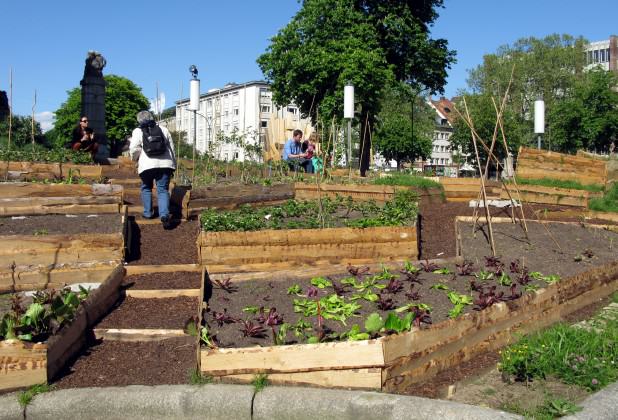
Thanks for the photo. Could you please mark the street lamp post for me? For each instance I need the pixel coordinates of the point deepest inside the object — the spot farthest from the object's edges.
(348, 113)
(539, 120)
(194, 105)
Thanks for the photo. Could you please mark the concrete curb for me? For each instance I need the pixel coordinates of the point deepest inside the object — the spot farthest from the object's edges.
(145, 402)
(223, 401)
(313, 403)
(602, 405)
(10, 408)
(235, 402)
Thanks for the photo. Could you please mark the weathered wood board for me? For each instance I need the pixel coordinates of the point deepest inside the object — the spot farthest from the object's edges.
(24, 364)
(358, 192)
(466, 189)
(336, 245)
(551, 195)
(535, 164)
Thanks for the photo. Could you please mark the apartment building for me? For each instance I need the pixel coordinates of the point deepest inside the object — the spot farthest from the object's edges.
(603, 54)
(246, 109)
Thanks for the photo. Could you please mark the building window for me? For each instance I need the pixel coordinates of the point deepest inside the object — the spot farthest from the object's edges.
(265, 108)
(607, 54)
(235, 155)
(596, 56)
(235, 110)
(263, 124)
(602, 56)
(292, 110)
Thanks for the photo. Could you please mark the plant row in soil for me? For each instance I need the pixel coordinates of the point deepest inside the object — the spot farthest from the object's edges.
(329, 212)
(60, 224)
(359, 304)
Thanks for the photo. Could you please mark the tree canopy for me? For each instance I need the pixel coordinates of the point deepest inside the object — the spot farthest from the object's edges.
(404, 127)
(21, 132)
(588, 117)
(123, 100)
(369, 43)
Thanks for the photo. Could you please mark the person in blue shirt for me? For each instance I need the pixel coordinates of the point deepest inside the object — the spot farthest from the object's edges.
(293, 154)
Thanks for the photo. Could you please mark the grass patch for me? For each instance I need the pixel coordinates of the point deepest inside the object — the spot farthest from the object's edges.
(573, 355)
(196, 378)
(408, 180)
(25, 397)
(549, 410)
(259, 382)
(608, 203)
(560, 183)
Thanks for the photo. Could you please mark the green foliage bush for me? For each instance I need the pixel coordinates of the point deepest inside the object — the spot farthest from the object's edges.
(408, 180)
(607, 203)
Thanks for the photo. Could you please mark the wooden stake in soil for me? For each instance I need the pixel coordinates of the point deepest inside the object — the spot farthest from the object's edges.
(484, 192)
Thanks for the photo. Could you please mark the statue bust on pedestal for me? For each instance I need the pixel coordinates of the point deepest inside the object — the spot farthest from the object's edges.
(94, 64)
(93, 100)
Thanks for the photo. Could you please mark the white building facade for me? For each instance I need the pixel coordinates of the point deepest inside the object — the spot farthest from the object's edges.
(602, 54)
(246, 109)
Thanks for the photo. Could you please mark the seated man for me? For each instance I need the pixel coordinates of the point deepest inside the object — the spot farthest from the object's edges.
(293, 155)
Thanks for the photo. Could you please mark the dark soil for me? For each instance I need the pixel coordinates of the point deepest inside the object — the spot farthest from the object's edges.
(541, 253)
(61, 224)
(158, 281)
(167, 313)
(116, 363)
(151, 244)
(438, 223)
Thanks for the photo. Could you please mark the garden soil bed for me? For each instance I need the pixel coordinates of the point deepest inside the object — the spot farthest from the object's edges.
(116, 363)
(160, 281)
(152, 245)
(166, 313)
(541, 251)
(61, 224)
(541, 256)
(437, 224)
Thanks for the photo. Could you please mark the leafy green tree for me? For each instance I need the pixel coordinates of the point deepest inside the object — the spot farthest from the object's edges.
(369, 43)
(545, 68)
(123, 100)
(404, 126)
(588, 117)
(21, 132)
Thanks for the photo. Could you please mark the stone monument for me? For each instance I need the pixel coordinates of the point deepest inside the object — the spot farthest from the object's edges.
(4, 105)
(93, 100)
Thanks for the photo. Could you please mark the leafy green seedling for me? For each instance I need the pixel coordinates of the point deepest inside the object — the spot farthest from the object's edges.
(321, 282)
(259, 382)
(421, 306)
(295, 290)
(410, 268)
(399, 325)
(355, 334)
(439, 286)
(504, 280)
(484, 275)
(374, 323)
(443, 271)
(459, 302)
(368, 295)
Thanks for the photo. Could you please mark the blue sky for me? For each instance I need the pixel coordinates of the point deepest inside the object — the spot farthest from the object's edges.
(45, 42)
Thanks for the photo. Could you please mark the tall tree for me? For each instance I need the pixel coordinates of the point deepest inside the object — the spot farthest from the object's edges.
(544, 68)
(123, 100)
(368, 43)
(404, 127)
(21, 132)
(588, 117)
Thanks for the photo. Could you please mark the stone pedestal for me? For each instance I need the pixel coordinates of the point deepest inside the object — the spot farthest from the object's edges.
(93, 106)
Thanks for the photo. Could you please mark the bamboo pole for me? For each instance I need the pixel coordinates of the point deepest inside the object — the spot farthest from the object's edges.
(484, 192)
(32, 122)
(8, 148)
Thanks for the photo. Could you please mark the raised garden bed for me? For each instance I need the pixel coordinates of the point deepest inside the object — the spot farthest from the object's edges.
(359, 192)
(376, 234)
(35, 254)
(393, 362)
(532, 163)
(466, 189)
(23, 199)
(39, 171)
(550, 195)
(23, 363)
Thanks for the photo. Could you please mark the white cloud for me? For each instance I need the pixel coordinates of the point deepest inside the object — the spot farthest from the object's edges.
(46, 119)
